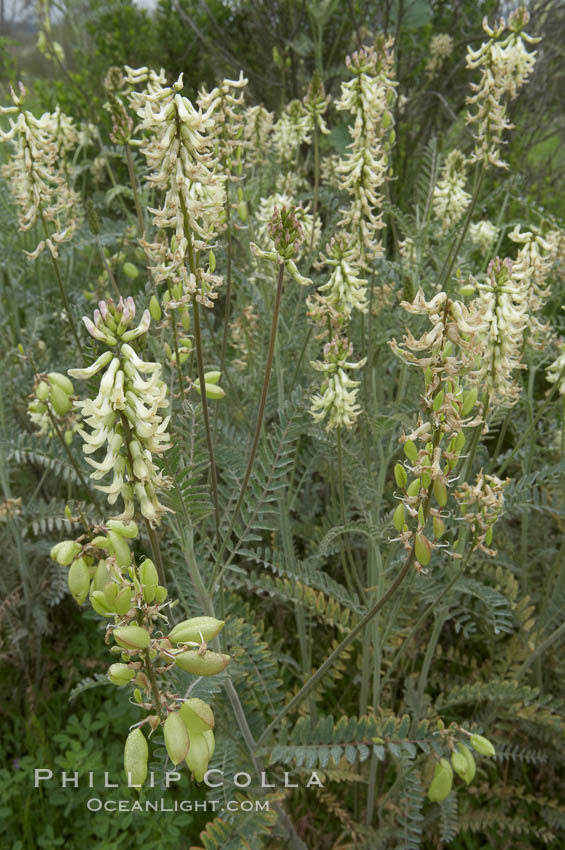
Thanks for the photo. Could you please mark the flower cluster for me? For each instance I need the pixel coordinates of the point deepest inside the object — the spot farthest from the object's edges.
(291, 130)
(177, 149)
(483, 234)
(480, 506)
(337, 398)
(280, 200)
(447, 354)
(345, 291)
(226, 106)
(316, 104)
(368, 97)
(503, 305)
(257, 128)
(505, 65)
(450, 200)
(441, 46)
(556, 371)
(124, 418)
(36, 172)
(531, 267)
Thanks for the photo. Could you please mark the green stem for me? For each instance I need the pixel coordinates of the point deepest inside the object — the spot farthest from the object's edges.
(200, 362)
(154, 687)
(156, 550)
(332, 658)
(259, 424)
(133, 181)
(66, 448)
(62, 289)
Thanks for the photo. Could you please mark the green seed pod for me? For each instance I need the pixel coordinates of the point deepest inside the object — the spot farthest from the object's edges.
(130, 270)
(411, 451)
(79, 580)
(438, 401)
(123, 601)
(101, 576)
(124, 529)
(155, 308)
(136, 755)
(442, 782)
(56, 379)
(160, 594)
(168, 350)
(185, 318)
(208, 664)
(198, 757)
(120, 674)
(242, 210)
(176, 737)
(440, 492)
(132, 637)
(400, 475)
(212, 262)
(68, 437)
(212, 377)
(121, 549)
(467, 289)
(398, 517)
(469, 401)
(213, 391)
(460, 442)
(98, 602)
(459, 764)
(60, 401)
(42, 391)
(482, 745)
(414, 487)
(471, 768)
(148, 573)
(137, 695)
(65, 551)
(210, 740)
(37, 407)
(438, 526)
(426, 480)
(196, 629)
(197, 715)
(423, 549)
(110, 594)
(488, 535)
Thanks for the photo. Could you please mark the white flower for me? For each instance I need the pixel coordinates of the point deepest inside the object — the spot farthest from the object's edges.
(450, 200)
(368, 97)
(291, 130)
(483, 234)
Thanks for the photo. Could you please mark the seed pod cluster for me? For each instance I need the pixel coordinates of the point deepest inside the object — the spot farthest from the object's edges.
(462, 762)
(53, 397)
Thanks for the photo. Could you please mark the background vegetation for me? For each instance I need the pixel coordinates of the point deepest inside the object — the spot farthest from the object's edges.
(482, 649)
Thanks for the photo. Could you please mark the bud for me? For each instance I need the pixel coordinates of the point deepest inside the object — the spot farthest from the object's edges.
(92, 218)
(132, 637)
(197, 715)
(64, 552)
(136, 754)
(196, 629)
(442, 782)
(176, 737)
(79, 580)
(208, 664)
(482, 745)
(120, 674)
